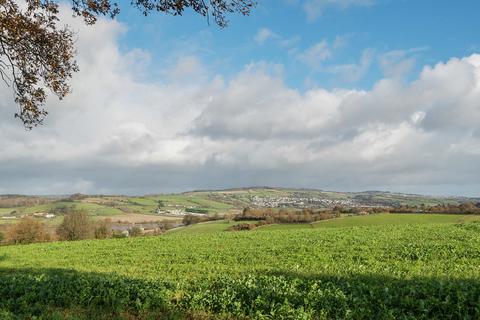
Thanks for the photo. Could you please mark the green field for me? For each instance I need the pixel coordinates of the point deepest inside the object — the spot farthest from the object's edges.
(212, 202)
(394, 219)
(349, 221)
(416, 270)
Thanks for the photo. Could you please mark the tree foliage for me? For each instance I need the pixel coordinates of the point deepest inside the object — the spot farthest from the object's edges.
(103, 229)
(76, 226)
(37, 52)
(27, 230)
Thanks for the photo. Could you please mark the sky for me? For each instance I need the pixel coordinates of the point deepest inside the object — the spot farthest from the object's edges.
(343, 95)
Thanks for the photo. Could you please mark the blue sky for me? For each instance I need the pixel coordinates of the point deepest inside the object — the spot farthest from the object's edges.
(427, 31)
(342, 95)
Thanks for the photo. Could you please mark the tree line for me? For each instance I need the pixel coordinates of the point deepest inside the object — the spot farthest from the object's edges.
(14, 201)
(462, 208)
(76, 225)
(285, 215)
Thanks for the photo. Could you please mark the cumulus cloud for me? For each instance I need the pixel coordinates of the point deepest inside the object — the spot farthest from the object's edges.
(118, 133)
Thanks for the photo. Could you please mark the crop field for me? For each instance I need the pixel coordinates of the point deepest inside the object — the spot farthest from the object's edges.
(403, 271)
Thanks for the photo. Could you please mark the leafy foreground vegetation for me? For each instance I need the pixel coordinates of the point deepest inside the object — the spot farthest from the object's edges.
(428, 271)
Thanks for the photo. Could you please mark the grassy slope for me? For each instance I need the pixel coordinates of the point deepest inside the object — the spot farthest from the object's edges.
(333, 251)
(354, 221)
(213, 201)
(394, 219)
(193, 200)
(358, 264)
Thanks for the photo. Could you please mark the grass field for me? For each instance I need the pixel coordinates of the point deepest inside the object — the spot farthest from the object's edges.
(351, 221)
(415, 270)
(394, 219)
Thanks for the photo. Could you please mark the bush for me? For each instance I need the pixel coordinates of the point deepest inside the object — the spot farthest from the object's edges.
(243, 227)
(135, 231)
(120, 234)
(26, 231)
(191, 219)
(76, 226)
(103, 230)
(196, 210)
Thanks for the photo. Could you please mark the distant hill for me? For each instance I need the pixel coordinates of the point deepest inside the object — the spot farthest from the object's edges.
(217, 201)
(271, 196)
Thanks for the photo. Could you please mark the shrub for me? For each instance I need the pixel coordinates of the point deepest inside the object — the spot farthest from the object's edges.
(76, 226)
(103, 230)
(135, 231)
(191, 219)
(242, 227)
(26, 231)
(120, 234)
(196, 210)
(63, 209)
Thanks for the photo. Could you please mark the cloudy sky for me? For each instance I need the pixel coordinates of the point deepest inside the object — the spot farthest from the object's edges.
(331, 94)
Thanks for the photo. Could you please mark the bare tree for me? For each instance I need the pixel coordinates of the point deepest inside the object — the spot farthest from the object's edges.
(76, 225)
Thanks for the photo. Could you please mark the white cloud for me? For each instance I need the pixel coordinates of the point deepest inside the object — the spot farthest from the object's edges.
(265, 34)
(316, 54)
(120, 133)
(398, 63)
(355, 71)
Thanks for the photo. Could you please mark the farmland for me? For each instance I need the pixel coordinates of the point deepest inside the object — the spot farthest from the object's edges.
(154, 208)
(362, 269)
(219, 201)
(344, 222)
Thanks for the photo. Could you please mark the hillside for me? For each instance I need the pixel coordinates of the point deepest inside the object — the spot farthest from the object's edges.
(418, 269)
(168, 209)
(275, 197)
(344, 222)
(217, 201)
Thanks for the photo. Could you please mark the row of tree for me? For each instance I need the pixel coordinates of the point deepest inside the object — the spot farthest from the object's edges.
(189, 219)
(76, 225)
(285, 215)
(463, 208)
(13, 201)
